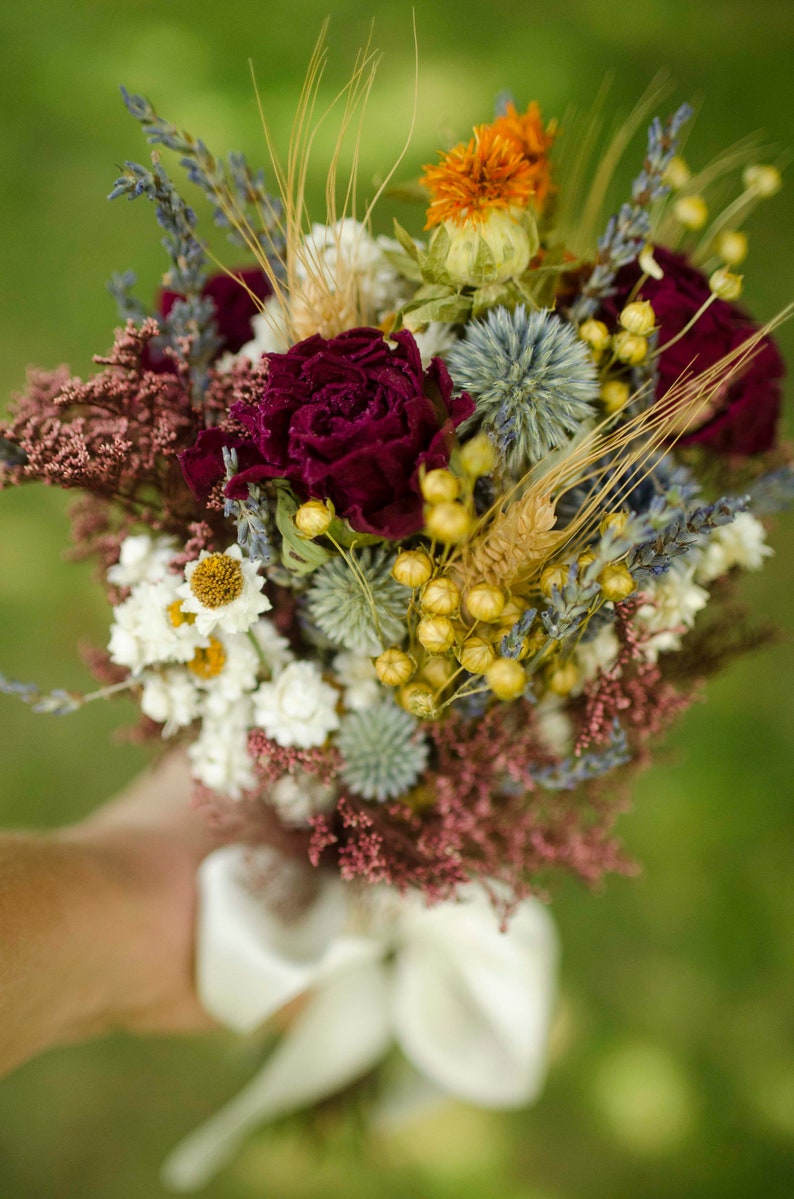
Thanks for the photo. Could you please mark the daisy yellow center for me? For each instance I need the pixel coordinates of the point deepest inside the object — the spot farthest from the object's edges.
(475, 177)
(208, 662)
(217, 580)
(177, 616)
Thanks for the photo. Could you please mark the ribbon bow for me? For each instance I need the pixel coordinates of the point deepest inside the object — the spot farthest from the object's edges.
(468, 1004)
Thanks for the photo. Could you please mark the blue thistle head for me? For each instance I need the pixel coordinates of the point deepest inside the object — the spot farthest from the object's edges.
(533, 381)
(363, 609)
(383, 751)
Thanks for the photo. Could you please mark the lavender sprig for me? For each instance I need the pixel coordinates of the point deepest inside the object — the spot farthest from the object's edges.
(512, 643)
(250, 516)
(57, 702)
(573, 771)
(190, 326)
(232, 187)
(681, 535)
(629, 230)
(130, 308)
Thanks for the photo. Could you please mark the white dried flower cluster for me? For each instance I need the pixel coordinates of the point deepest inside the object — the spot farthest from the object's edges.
(336, 253)
(357, 676)
(144, 631)
(740, 543)
(597, 654)
(672, 603)
(142, 559)
(297, 708)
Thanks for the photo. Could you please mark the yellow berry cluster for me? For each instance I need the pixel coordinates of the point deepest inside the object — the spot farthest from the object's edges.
(626, 347)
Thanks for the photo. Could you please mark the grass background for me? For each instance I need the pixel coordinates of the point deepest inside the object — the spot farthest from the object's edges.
(673, 1071)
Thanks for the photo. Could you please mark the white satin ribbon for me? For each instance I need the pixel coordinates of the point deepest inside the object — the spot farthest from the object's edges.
(467, 1004)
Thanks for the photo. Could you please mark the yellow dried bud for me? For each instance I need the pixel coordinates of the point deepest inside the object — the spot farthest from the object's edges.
(725, 285)
(614, 395)
(765, 181)
(596, 334)
(441, 596)
(314, 518)
(616, 582)
(676, 173)
(449, 523)
(553, 576)
(478, 456)
(691, 211)
(513, 610)
(476, 655)
(394, 667)
(630, 348)
(412, 568)
(506, 678)
(436, 634)
(537, 639)
(485, 602)
(648, 264)
(585, 559)
(731, 245)
(418, 699)
(440, 486)
(613, 520)
(562, 679)
(438, 672)
(638, 317)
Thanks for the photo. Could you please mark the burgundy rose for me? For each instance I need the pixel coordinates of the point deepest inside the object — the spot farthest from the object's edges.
(349, 419)
(234, 307)
(234, 310)
(746, 418)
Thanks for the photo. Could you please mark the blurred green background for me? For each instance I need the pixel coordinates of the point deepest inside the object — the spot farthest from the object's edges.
(672, 1070)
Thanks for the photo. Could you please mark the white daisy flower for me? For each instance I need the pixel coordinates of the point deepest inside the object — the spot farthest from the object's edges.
(357, 676)
(151, 627)
(171, 698)
(219, 756)
(673, 602)
(223, 591)
(297, 708)
(297, 797)
(142, 559)
(741, 543)
(227, 671)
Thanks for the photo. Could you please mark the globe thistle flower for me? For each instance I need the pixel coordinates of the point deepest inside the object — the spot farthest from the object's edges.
(362, 608)
(533, 380)
(382, 750)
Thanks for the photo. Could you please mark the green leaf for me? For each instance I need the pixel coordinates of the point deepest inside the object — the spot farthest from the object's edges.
(347, 537)
(491, 296)
(297, 554)
(453, 309)
(406, 241)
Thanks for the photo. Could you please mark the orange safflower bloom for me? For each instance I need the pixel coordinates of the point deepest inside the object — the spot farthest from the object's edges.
(476, 177)
(526, 134)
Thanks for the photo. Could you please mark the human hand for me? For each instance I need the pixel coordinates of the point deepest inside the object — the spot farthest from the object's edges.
(96, 921)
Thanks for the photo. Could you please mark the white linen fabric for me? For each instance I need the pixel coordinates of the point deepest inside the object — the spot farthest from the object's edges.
(469, 1005)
